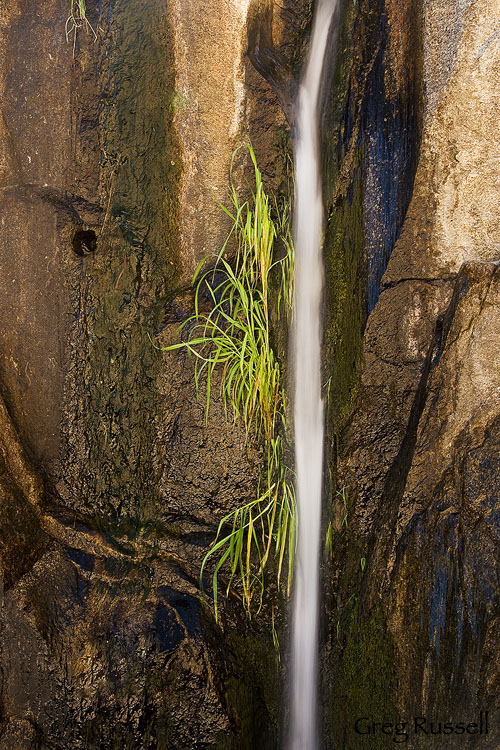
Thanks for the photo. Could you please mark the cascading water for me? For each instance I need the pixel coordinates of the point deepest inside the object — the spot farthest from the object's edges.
(308, 416)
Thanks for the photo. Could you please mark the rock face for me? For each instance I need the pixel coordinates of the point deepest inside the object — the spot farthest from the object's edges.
(253, 47)
(209, 99)
(113, 154)
(112, 158)
(418, 459)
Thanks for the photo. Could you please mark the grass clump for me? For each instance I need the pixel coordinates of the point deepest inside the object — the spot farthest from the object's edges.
(235, 338)
(77, 20)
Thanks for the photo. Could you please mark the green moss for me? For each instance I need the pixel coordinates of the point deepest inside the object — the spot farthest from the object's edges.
(346, 304)
(141, 151)
(344, 249)
(367, 680)
(136, 266)
(253, 696)
(174, 529)
(359, 678)
(240, 702)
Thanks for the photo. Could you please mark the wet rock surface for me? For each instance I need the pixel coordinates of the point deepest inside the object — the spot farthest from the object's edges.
(112, 482)
(418, 459)
(105, 641)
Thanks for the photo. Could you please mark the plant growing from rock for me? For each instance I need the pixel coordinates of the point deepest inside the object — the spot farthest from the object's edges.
(235, 337)
(77, 20)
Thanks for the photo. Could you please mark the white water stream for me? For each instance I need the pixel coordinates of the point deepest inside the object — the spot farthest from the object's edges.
(308, 416)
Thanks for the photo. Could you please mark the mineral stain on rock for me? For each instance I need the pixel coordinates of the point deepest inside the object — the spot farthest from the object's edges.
(106, 514)
(425, 402)
(111, 482)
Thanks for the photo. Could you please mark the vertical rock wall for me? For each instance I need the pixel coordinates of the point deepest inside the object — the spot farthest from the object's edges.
(111, 482)
(418, 460)
(209, 104)
(113, 155)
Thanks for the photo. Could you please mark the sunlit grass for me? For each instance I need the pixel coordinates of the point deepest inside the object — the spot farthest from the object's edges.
(234, 337)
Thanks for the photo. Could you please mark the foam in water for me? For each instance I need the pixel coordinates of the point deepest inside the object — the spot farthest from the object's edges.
(308, 416)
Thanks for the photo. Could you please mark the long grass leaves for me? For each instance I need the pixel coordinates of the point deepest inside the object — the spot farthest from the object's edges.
(234, 337)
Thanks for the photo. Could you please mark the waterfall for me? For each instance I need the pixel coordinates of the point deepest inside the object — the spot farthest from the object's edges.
(308, 415)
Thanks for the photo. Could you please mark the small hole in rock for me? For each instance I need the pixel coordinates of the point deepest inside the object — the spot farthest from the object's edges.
(84, 242)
